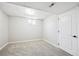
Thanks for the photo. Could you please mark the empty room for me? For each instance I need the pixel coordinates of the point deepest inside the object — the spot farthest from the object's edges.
(39, 28)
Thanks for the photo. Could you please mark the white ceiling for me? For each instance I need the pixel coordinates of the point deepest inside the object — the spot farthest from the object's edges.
(35, 10)
(59, 7)
(16, 10)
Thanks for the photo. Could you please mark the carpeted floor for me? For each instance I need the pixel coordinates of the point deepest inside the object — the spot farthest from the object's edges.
(32, 48)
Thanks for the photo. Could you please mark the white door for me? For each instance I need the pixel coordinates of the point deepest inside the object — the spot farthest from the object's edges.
(65, 32)
(74, 31)
(68, 35)
(78, 29)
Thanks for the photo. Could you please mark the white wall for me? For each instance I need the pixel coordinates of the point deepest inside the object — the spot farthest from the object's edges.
(21, 30)
(3, 29)
(50, 29)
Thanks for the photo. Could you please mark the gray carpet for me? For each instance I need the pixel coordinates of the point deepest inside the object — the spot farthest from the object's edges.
(32, 48)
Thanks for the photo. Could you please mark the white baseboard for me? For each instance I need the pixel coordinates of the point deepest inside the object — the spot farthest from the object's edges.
(24, 41)
(51, 43)
(18, 42)
(3, 46)
(68, 51)
(58, 46)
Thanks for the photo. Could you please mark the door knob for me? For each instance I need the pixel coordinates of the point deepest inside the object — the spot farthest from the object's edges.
(75, 36)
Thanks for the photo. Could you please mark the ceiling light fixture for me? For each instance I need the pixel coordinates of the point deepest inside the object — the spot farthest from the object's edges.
(32, 21)
(29, 21)
(30, 11)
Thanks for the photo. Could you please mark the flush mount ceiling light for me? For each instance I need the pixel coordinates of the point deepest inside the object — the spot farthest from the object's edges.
(30, 11)
(52, 4)
(31, 21)
(34, 22)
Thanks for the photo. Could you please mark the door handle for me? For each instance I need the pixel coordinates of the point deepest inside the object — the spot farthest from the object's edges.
(75, 36)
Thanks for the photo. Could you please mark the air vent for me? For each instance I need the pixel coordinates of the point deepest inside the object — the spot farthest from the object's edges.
(52, 4)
